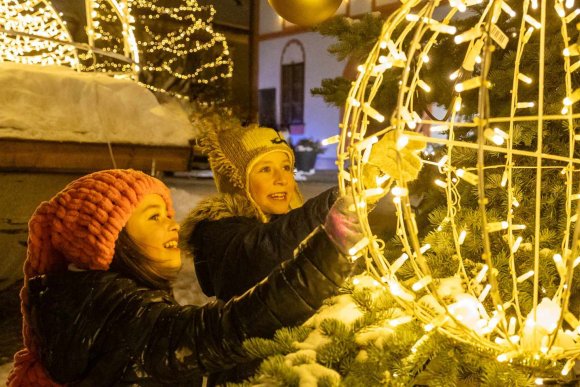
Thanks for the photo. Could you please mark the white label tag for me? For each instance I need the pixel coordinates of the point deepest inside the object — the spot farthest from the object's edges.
(498, 36)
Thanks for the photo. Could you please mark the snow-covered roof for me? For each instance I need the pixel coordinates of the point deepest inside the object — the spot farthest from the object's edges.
(56, 103)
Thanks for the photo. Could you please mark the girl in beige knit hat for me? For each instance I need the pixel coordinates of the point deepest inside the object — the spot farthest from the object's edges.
(96, 301)
(258, 218)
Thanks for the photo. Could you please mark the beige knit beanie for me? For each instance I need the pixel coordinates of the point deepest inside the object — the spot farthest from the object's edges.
(233, 150)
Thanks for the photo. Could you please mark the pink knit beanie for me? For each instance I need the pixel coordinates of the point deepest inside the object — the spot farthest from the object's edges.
(79, 225)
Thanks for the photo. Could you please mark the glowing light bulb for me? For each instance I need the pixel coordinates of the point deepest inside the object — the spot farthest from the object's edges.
(359, 246)
(353, 101)
(573, 98)
(422, 283)
(468, 35)
(571, 50)
(559, 9)
(481, 275)
(524, 78)
(497, 226)
(400, 320)
(330, 140)
(536, 24)
(494, 137)
(507, 9)
(402, 141)
(468, 84)
(424, 86)
(399, 191)
(525, 276)
(517, 244)
(371, 112)
(484, 293)
(462, 236)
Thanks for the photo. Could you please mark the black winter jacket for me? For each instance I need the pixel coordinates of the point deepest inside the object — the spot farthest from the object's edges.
(97, 328)
(233, 250)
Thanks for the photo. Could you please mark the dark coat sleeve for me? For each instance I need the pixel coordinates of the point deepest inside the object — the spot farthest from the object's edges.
(110, 330)
(233, 254)
(212, 335)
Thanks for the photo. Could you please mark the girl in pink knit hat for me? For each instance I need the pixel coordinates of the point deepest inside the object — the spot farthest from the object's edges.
(96, 301)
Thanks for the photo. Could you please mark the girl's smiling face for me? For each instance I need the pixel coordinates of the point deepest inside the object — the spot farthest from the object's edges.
(271, 183)
(151, 228)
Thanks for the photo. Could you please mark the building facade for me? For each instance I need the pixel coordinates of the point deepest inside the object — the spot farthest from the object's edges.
(291, 61)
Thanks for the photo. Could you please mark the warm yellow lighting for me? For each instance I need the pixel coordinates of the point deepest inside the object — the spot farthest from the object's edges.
(524, 105)
(367, 142)
(504, 178)
(400, 320)
(399, 262)
(571, 50)
(484, 293)
(573, 98)
(525, 276)
(516, 245)
(536, 24)
(524, 78)
(371, 112)
(468, 84)
(481, 275)
(353, 101)
(359, 246)
(507, 9)
(422, 283)
(468, 35)
(497, 226)
(457, 104)
(469, 177)
(559, 9)
(330, 140)
(462, 236)
(424, 86)
(399, 191)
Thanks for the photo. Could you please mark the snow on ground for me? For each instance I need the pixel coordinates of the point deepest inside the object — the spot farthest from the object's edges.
(56, 103)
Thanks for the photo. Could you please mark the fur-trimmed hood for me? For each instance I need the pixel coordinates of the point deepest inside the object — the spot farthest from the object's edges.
(216, 207)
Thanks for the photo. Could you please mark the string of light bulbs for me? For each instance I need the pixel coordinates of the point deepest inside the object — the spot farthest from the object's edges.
(482, 317)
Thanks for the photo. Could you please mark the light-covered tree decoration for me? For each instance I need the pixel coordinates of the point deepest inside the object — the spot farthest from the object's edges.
(32, 32)
(168, 46)
(498, 277)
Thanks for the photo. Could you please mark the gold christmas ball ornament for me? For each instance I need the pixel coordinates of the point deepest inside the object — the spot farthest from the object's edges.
(305, 12)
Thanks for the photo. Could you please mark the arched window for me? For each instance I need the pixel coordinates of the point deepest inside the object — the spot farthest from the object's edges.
(292, 91)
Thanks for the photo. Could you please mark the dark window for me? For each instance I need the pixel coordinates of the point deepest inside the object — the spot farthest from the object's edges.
(293, 95)
(267, 104)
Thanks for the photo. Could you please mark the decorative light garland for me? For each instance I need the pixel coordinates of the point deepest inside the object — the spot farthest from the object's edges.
(478, 315)
(120, 34)
(43, 33)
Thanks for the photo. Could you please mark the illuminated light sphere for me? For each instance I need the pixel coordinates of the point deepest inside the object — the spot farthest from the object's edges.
(165, 48)
(506, 144)
(305, 12)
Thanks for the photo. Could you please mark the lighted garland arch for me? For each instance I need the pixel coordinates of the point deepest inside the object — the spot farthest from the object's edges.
(33, 32)
(479, 315)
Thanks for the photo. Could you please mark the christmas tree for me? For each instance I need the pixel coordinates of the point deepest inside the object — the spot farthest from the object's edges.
(168, 46)
(483, 295)
(172, 44)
